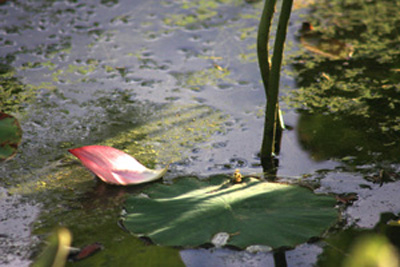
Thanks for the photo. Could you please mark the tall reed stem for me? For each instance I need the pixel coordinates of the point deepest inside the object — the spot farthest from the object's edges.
(271, 74)
(264, 29)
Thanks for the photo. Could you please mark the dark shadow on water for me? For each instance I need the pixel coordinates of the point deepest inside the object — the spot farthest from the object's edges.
(349, 108)
(280, 259)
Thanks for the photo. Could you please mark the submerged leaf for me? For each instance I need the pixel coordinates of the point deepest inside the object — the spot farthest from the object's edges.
(192, 212)
(115, 166)
(316, 43)
(56, 252)
(10, 136)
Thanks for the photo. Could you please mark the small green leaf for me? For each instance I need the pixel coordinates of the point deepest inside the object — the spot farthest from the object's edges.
(10, 136)
(191, 212)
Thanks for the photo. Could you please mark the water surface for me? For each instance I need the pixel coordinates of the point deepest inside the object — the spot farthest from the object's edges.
(166, 81)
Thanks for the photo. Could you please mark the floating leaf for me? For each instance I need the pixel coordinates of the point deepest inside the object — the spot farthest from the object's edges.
(115, 166)
(192, 212)
(10, 136)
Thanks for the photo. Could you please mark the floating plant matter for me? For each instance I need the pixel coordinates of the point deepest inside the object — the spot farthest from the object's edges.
(114, 166)
(191, 212)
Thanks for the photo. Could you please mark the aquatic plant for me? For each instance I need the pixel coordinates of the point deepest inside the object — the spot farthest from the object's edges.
(270, 74)
(191, 212)
(10, 136)
(115, 166)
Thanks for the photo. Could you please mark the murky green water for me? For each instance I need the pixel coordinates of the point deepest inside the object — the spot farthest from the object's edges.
(178, 81)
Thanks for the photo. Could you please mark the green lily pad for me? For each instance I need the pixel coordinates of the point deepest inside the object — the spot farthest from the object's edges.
(10, 136)
(191, 212)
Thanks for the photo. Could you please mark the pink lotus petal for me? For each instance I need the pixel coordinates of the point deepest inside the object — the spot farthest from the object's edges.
(114, 166)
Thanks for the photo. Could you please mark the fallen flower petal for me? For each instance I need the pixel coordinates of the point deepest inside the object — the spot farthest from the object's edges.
(115, 166)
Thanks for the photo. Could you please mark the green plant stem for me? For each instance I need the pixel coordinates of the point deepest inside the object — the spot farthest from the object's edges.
(272, 108)
(264, 29)
(264, 64)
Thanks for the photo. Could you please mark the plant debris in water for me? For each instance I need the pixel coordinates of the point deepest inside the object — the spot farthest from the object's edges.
(115, 166)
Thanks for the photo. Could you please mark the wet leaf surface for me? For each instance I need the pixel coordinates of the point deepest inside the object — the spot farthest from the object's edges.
(10, 136)
(191, 212)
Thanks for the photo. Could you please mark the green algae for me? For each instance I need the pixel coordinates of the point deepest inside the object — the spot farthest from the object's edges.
(162, 138)
(14, 95)
(68, 193)
(197, 80)
(90, 208)
(199, 11)
(90, 211)
(178, 129)
(357, 95)
(206, 14)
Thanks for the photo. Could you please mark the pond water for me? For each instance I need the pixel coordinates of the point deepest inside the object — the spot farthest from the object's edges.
(178, 81)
